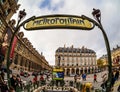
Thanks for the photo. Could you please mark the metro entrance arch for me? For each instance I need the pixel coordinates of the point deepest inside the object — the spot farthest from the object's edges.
(63, 21)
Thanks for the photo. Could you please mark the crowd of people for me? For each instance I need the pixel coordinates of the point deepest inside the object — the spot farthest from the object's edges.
(16, 82)
(115, 77)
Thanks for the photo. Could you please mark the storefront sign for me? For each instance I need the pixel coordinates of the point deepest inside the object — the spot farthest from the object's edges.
(58, 70)
(58, 21)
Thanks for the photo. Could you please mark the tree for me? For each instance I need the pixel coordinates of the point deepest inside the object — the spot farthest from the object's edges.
(100, 63)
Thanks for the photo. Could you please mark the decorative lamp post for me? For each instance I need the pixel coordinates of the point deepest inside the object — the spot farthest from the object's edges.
(97, 15)
(21, 15)
(59, 58)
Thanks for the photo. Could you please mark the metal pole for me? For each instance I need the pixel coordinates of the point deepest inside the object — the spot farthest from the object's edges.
(107, 48)
(59, 61)
(109, 60)
(10, 46)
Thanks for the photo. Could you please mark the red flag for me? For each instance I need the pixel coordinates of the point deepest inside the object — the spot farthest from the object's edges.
(13, 47)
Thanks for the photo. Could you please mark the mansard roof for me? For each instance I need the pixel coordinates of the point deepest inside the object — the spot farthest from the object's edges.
(74, 50)
(116, 48)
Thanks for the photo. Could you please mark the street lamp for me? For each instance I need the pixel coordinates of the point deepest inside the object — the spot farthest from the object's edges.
(59, 58)
(21, 15)
(97, 15)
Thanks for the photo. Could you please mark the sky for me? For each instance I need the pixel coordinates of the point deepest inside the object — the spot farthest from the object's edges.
(48, 41)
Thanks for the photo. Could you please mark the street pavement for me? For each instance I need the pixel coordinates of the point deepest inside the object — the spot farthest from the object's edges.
(89, 78)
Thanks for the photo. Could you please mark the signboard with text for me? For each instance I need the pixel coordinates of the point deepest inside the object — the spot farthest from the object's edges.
(58, 21)
(58, 74)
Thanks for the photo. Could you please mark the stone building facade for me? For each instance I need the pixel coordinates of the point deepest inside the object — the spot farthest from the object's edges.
(7, 9)
(76, 60)
(25, 56)
(116, 56)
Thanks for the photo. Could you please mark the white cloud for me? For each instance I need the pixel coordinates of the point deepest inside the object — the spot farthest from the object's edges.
(47, 41)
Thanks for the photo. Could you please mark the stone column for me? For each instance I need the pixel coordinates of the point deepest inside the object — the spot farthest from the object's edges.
(75, 70)
(70, 70)
(65, 71)
(79, 71)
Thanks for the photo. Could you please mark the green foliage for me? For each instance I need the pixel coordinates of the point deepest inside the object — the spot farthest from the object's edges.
(100, 63)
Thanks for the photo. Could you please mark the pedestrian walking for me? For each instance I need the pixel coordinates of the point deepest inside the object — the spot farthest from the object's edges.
(41, 78)
(117, 75)
(75, 78)
(88, 86)
(113, 81)
(19, 83)
(35, 79)
(3, 84)
(95, 77)
(13, 81)
(84, 76)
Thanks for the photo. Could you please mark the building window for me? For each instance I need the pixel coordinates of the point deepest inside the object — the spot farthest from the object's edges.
(62, 64)
(9, 10)
(67, 64)
(92, 63)
(26, 63)
(18, 46)
(21, 61)
(76, 64)
(16, 59)
(0, 23)
(88, 63)
(6, 12)
(85, 63)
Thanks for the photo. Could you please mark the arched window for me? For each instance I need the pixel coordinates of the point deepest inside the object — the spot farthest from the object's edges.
(18, 46)
(29, 65)
(26, 63)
